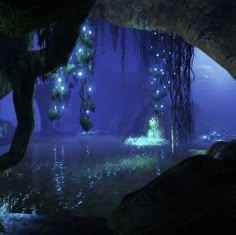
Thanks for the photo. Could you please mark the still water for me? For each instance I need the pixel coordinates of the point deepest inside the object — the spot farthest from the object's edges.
(80, 175)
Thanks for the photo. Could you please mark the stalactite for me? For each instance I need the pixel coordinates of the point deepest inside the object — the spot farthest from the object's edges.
(114, 30)
(44, 35)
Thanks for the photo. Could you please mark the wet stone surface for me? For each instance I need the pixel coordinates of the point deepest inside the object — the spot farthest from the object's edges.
(27, 224)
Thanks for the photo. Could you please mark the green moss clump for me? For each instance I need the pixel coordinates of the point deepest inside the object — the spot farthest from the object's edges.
(69, 68)
(54, 114)
(56, 94)
(86, 124)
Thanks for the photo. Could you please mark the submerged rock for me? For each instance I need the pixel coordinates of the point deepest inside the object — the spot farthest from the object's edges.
(197, 196)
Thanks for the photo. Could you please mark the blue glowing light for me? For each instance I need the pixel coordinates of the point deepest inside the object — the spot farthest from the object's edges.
(80, 74)
(158, 171)
(81, 51)
(157, 54)
(157, 92)
(155, 69)
(204, 137)
(162, 106)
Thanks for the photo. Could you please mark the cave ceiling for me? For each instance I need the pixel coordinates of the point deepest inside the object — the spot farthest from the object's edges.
(207, 24)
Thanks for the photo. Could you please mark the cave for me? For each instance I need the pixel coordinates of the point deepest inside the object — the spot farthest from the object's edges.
(116, 117)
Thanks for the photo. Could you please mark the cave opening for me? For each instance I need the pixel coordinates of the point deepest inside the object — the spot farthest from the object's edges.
(83, 165)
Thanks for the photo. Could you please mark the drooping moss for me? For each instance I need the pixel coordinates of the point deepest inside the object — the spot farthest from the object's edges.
(85, 123)
(54, 114)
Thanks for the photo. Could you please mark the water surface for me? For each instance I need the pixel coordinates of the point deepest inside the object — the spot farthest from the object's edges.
(80, 175)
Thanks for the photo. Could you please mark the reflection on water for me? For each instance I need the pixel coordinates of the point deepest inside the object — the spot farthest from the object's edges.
(59, 171)
(85, 175)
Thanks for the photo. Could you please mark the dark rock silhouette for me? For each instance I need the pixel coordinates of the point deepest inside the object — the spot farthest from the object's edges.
(197, 196)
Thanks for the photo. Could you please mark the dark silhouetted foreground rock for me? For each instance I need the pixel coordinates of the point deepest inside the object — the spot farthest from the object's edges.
(26, 224)
(197, 196)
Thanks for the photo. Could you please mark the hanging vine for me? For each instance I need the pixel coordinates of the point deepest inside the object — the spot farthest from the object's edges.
(79, 70)
(114, 30)
(103, 28)
(142, 42)
(173, 58)
(123, 53)
(180, 90)
(171, 75)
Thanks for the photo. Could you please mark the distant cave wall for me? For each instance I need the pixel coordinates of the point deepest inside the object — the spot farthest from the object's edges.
(207, 24)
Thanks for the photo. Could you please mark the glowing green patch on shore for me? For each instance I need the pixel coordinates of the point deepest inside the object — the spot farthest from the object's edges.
(133, 163)
(152, 138)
